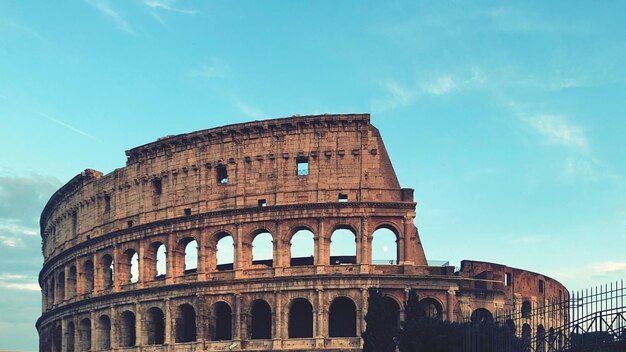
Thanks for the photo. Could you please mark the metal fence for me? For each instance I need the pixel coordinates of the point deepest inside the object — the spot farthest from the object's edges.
(588, 320)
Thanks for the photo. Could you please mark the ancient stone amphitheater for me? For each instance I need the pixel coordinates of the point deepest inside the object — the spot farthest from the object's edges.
(165, 253)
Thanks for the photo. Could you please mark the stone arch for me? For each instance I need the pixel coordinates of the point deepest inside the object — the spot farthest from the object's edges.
(108, 271)
(481, 315)
(88, 275)
(262, 242)
(130, 267)
(510, 325)
(302, 246)
(342, 318)
(127, 329)
(393, 307)
(155, 326)
(526, 309)
(526, 337)
(300, 318)
(385, 245)
(432, 308)
(186, 330)
(70, 336)
(156, 261)
(540, 337)
(222, 321)
(71, 282)
(84, 335)
(343, 245)
(61, 286)
(104, 333)
(261, 322)
(189, 248)
(552, 340)
(225, 251)
(57, 337)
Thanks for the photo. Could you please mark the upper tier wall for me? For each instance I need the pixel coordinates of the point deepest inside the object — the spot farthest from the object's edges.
(182, 175)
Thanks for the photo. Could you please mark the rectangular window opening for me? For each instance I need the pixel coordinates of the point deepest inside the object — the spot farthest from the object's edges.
(129, 223)
(107, 203)
(222, 174)
(541, 286)
(303, 166)
(157, 186)
(262, 202)
(508, 279)
(187, 211)
(342, 198)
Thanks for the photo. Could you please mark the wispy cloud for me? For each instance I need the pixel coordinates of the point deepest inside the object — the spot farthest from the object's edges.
(105, 8)
(21, 29)
(399, 95)
(68, 126)
(558, 130)
(19, 282)
(610, 267)
(250, 111)
(168, 5)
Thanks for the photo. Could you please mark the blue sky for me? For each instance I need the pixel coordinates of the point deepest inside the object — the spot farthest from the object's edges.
(506, 118)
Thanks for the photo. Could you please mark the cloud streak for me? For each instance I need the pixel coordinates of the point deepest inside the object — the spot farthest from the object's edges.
(68, 126)
(557, 130)
(168, 5)
(105, 8)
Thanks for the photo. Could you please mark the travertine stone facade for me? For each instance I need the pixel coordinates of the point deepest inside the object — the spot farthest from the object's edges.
(102, 235)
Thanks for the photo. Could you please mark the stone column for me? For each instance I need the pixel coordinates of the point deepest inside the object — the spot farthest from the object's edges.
(143, 265)
(277, 241)
(318, 318)
(172, 255)
(361, 312)
(118, 268)
(322, 247)
(94, 330)
(114, 323)
(450, 301)
(98, 284)
(238, 264)
(237, 320)
(277, 321)
(365, 259)
(168, 323)
(202, 256)
(138, 325)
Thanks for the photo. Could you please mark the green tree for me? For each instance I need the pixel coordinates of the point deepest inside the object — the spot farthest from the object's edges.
(379, 333)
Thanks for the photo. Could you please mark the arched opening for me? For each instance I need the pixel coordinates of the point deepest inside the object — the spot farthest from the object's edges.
(225, 252)
(107, 271)
(343, 246)
(191, 255)
(127, 337)
(342, 318)
(481, 315)
(84, 335)
(510, 325)
(223, 318)
(393, 308)
(384, 246)
(157, 256)
(302, 248)
(541, 339)
(186, 323)
(526, 308)
(57, 338)
(155, 326)
(261, 325)
(51, 290)
(132, 266)
(104, 333)
(263, 249)
(70, 337)
(71, 282)
(431, 308)
(526, 333)
(300, 319)
(61, 287)
(88, 278)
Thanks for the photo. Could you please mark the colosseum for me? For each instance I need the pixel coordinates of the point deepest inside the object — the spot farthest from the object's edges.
(252, 237)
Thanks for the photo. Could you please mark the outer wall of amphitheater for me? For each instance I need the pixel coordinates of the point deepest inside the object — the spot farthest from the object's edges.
(118, 275)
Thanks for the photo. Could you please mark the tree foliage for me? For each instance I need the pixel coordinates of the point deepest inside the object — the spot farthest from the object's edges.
(379, 333)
